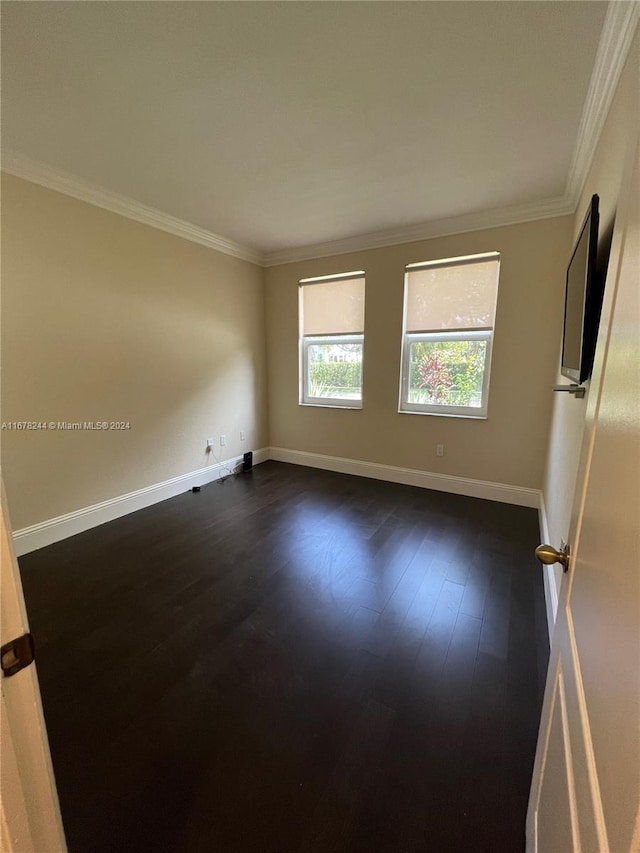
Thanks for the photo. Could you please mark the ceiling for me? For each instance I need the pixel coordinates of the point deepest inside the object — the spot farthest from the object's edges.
(285, 124)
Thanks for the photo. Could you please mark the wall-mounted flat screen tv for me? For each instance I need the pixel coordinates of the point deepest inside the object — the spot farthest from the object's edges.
(583, 300)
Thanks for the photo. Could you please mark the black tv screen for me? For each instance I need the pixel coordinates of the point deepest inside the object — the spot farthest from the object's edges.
(583, 298)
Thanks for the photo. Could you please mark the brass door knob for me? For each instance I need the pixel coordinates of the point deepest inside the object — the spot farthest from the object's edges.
(548, 555)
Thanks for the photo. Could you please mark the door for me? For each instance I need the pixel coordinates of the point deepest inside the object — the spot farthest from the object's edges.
(29, 814)
(585, 794)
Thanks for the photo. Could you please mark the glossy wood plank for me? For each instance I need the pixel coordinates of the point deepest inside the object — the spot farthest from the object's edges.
(294, 661)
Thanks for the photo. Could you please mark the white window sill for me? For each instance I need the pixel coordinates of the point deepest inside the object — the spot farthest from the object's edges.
(329, 405)
(479, 417)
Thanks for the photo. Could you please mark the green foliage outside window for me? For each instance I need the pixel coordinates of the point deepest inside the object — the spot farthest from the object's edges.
(338, 378)
(447, 372)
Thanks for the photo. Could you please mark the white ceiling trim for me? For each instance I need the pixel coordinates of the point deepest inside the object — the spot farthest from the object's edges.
(617, 34)
(62, 182)
(54, 179)
(425, 231)
(613, 48)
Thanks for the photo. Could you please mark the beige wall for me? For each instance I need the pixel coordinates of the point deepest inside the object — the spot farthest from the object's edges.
(107, 319)
(510, 446)
(565, 437)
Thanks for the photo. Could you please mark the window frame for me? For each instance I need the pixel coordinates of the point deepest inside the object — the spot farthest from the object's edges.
(304, 341)
(307, 399)
(442, 409)
(451, 334)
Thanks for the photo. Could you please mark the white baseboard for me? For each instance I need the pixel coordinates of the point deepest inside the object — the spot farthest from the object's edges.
(551, 588)
(517, 495)
(54, 529)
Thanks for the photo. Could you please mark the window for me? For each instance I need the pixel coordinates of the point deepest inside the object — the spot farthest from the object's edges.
(332, 340)
(449, 312)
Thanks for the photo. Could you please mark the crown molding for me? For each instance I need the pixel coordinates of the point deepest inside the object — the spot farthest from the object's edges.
(615, 41)
(62, 182)
(617, 34)
(618, 30)
(512, 215)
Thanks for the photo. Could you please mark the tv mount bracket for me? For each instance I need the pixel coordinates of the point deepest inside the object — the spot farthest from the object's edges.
(578, 390)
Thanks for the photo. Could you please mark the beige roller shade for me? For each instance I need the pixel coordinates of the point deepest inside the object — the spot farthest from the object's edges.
(459, 294)
(333, 307)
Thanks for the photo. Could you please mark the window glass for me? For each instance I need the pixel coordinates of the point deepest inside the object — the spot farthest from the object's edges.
(448, 334)
(332, 340)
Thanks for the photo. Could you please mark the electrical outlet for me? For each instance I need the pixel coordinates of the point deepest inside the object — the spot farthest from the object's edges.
(439, 449)
(211, 443)
(241, 435)
(223, 440)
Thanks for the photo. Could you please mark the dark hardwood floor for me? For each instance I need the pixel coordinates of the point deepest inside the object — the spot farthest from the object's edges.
(294, 661)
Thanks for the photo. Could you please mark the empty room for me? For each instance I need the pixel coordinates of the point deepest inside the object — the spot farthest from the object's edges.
(320, 407)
